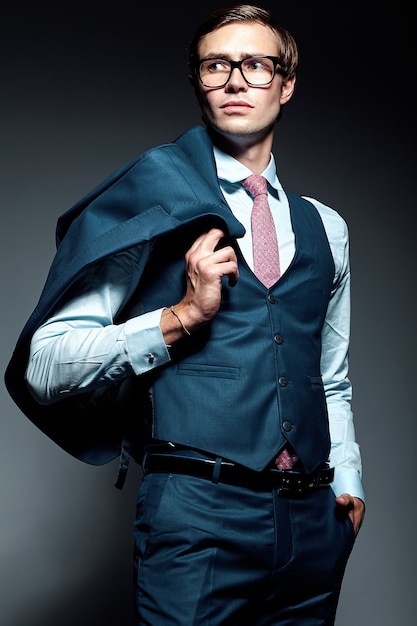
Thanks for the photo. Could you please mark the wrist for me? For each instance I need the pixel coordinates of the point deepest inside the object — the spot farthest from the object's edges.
(178, 318)
(175, 325)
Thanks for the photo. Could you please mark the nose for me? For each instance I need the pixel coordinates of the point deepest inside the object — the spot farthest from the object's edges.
(236, 81)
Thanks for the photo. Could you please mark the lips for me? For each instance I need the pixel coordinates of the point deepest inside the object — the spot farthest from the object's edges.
(236, 107)
(236, 104)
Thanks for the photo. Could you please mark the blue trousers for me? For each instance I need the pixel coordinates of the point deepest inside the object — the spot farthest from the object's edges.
(220, 555)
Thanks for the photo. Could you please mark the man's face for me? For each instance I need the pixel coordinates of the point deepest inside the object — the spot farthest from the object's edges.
(236, 109)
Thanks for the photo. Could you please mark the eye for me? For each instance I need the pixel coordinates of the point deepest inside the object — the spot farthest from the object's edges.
(216, 65)
(257, 65)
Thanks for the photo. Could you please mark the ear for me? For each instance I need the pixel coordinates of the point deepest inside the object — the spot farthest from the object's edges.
(287, 90)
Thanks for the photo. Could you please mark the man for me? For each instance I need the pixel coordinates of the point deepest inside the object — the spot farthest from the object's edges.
(159, 332)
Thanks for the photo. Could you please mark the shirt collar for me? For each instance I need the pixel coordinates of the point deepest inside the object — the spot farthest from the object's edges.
(231, 170)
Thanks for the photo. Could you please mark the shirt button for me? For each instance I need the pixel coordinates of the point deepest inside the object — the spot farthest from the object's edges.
(271, 299)
(282, 381)
(287, 426)
(278, 339)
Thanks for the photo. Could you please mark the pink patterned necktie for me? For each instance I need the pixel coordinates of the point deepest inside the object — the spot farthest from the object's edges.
(264, 235)
(266, 261)
(286, 460)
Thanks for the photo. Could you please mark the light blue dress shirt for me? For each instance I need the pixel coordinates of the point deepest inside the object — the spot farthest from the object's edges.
(80, 348)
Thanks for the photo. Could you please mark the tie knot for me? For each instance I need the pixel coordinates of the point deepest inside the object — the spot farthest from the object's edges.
(256, 185)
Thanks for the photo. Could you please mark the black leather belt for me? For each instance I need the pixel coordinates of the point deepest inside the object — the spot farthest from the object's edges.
(219, 470)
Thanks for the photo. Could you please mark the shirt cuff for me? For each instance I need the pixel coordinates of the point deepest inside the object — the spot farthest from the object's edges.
(145, 343)
(346, 481)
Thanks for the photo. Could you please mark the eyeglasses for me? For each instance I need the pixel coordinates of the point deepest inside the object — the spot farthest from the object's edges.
(257, 71)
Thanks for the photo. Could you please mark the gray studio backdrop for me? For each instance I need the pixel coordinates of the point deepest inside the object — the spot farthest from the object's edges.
(79, 100)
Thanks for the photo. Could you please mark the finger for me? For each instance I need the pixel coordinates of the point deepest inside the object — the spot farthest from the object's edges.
(208, 241)
(230, 270)
(212, 239)
(232, 278)
(345, 500)
(226, 257)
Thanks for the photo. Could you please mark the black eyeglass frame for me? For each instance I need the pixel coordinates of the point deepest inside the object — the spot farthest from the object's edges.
(238, 64)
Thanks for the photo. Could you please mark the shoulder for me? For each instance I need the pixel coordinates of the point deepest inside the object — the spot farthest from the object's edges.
(334, 224)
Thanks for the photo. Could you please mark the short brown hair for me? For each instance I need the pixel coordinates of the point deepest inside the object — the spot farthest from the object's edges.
(247, 13)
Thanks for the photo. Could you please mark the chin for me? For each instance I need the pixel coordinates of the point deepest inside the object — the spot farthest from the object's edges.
(235, 128)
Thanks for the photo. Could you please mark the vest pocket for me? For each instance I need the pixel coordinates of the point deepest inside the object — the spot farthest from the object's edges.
(212, 371)
(316, 380)
(191, 400)
(317, 389)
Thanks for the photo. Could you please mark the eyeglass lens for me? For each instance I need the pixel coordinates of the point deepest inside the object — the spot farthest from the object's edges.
(256, 71)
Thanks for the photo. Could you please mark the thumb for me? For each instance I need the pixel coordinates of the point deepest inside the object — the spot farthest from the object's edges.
(345, 500)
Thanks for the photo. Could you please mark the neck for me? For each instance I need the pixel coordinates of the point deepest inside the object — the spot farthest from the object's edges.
(250, 151)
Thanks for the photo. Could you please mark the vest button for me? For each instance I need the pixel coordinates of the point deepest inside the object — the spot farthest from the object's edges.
(271, 299)
(287, 426)
(282, 381)
(278, 339)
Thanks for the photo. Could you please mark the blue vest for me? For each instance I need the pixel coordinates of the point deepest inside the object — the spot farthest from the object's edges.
(250, 380)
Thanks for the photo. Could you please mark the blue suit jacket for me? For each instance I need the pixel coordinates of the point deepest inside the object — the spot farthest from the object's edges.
(163, 189)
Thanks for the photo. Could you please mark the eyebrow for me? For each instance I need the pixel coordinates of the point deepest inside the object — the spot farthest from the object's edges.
(244, 55)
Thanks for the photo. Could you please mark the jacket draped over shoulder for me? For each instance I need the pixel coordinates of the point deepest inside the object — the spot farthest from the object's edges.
(163, 189)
